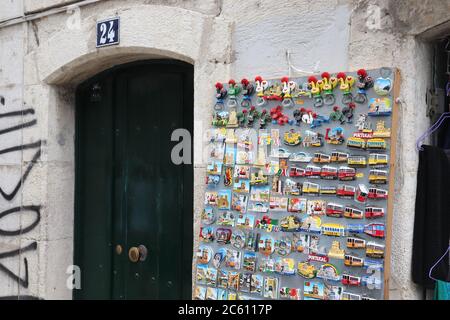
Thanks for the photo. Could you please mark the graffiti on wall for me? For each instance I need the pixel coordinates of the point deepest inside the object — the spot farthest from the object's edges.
(9, 193)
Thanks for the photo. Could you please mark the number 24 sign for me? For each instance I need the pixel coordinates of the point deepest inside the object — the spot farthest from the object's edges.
(108, 32)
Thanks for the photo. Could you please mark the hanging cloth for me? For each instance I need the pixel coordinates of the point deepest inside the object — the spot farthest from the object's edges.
(442, 290)
(432, 216)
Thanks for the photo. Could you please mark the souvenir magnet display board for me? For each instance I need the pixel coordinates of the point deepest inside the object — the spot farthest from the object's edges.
(299, 188)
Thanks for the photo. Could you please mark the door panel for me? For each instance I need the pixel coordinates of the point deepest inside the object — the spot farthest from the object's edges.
(152, 202)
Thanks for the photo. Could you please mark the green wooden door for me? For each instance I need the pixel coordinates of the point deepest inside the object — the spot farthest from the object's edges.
(129, 194)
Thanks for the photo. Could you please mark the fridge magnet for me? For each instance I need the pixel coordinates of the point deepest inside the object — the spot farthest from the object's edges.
(345, 85)
(211, 293)
(223, 235)
(208, 216)
(373, 265)
(219, 258)
(313, 171)
(357, 161)
(332, 292)
(290, 224)
(380, 107)
(221, 93)
(239, 202)
(334, 210)
(383, 84)
(346, 173)
(262, 158)
(201, 274)
(262, 207)
(375, 230)
(230, 155)
(224, 200)
(364, 83)
(381, 131)
(258, 178)
(222, 279)
(233, 259)
(328, 272)
(300, 242)
(244, 282)
(316, 207)
(297, 205)
(256, 285)
(211, 277)
(321, 158)
(199, 293)
(372, 282)
(279, 153)
(216, 135)
(283, 171)
(228, 176)
(327, 190)
(230, 138)
(318, 257)
(283, 246)
(310, 188)
(351, 280)
(285, 266)
(248, 89)
(311, 224)
(226, 219)
(222, 294)
(277, 185)
(345, 191)
(233, 92)
(206, 234)
(244, 157)
(292, 188)
(220, 118)
(233, 118)
(267, 224)
(337, 115)
(350, 296)
(312, 139)
(378, 160)
(348, 112)
(335, 136)
(290, 293)
(378, 176)
(375, 250)
(270, 287)
(245, 221)
(329, 83)
(232, 296)
(333, 229)
(296, 172)
(356, 143)
(329, 173)
(364, 127)
(288, 88)
(214, 168)
(233, 282)
(204, 254)
(241, 186)
(361, 193)
(275, 137)
(355, 228)
(335, 251)
(267, 265)
(251, 241)
(260, 193)
(315, 86)
(373, 212)
(292, 138)
(249, 261)
(306, 270)
(266, 245)
(261, 88)
(355, 243)
(352, 212)
(377, 194)
(353, 261)
(212, 180)
(278, 203)
(376, 144)
(300, 157)
(313, 290)
(246, 139)
(242, 172)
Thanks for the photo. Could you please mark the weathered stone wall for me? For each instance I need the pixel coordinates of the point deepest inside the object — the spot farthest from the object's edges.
(42, 61)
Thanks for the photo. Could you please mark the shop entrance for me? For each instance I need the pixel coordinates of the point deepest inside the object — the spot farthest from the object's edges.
(133, 205)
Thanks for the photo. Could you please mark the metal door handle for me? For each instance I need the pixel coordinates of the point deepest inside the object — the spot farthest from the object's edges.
(136, 254)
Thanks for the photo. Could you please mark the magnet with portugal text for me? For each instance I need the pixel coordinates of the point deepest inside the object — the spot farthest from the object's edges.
(223, 235)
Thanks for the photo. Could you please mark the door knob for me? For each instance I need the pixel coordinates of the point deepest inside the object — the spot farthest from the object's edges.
(136, 254)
